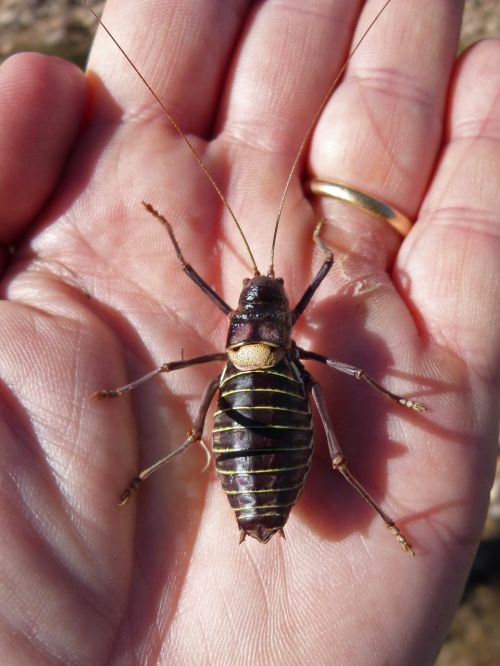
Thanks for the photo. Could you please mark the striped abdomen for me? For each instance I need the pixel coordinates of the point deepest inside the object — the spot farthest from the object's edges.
(263, 441)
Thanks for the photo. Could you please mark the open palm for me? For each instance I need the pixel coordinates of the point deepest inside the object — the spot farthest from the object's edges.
(163, 580)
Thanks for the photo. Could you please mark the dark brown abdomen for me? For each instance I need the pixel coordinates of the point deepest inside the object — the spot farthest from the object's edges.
(263, 441)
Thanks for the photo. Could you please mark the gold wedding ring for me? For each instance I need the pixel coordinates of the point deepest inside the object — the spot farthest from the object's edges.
(372, 206)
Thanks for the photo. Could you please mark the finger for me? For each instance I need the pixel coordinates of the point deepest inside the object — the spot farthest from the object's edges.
(380, 133)
(182, 52)
(451, 260)
(42, 101)
(289, 55)
(382, 128)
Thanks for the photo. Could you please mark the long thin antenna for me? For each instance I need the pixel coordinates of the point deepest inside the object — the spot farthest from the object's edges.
(177, 128)
(312, 124)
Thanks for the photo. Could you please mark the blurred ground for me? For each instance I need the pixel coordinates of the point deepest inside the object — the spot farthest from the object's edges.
(56, 27)
(65, 28)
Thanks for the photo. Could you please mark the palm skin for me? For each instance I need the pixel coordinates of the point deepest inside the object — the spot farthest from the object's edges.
(163, 580)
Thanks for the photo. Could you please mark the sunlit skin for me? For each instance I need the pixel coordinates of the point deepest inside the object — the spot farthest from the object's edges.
(163, 580)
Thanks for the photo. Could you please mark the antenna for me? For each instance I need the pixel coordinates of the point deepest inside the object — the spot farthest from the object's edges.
(177, 128)
(311, 126)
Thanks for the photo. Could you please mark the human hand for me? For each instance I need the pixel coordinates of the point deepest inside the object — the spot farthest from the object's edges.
(164, 580)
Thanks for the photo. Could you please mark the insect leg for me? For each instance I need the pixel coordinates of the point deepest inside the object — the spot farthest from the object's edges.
(359, 373)
(188, 269)
(339, 463)
(166, 367)
(193, 436)
(320, 275)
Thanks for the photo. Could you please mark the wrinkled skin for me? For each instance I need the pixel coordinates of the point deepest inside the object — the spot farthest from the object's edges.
(163, 579)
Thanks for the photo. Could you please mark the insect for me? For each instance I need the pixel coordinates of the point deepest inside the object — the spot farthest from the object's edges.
(263, 430)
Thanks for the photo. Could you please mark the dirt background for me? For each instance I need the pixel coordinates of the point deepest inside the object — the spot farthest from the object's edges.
(65, 28)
